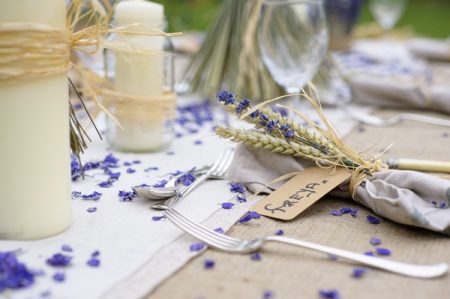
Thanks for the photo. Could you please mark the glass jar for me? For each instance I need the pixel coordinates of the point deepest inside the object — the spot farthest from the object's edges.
(141, 95)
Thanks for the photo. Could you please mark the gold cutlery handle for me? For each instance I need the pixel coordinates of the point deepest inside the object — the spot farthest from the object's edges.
(419, 165)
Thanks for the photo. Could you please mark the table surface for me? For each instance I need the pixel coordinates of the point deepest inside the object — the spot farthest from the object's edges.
(290, 272)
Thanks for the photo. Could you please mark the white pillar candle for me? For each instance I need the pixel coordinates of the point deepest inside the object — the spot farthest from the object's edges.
(34, 137)
(140, 74)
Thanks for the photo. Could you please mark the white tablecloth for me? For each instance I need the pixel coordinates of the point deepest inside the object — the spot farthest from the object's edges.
(136, 253)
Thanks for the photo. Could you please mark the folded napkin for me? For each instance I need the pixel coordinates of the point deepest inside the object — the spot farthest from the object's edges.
(386, 74)
(432, 49)
(406, 197)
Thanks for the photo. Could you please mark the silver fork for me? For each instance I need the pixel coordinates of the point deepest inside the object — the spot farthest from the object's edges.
(218, 169)
(229, 244)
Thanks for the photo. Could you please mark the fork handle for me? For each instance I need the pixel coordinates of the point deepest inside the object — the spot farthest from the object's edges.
(419, 271)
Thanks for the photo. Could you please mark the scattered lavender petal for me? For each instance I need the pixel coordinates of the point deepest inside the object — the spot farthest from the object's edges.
(249, 216)
(237, 188)
(268, 295)
(148, 169)
(95, 253)
(359, 272)
(93, 262)
(66, 248)
(158, 218)
(369, 253)
(196, 247)
(131, 170)
(227, 205)
(198, 142)
(241, 198)
(209, 264)
(59, 260)
(59, 277)
(256, 256)
(383, 251)
(160, 184)
(91, 210)
(375, 241)
(373, 219)
(137, 162)
(279, 232)
(329, 294)
(14, 274)
(219, 230)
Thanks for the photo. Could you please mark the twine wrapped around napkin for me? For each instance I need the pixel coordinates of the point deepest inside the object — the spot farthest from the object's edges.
(405, 197)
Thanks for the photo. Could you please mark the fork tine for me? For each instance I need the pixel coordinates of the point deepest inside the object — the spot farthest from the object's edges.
(200, 228)
(198, 235)
(199, 231)
(226, 164)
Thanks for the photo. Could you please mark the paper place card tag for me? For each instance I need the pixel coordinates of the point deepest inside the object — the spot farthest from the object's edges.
(301, 192)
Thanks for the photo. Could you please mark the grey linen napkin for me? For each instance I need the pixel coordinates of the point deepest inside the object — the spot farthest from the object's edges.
(406, 197)
(399, 80)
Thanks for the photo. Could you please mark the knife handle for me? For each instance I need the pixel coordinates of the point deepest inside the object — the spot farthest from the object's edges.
(419, 165)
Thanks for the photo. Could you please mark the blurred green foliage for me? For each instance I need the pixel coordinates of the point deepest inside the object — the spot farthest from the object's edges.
(426, 17)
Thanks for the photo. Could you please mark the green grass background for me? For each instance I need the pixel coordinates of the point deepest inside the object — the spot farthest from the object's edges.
(426, 17)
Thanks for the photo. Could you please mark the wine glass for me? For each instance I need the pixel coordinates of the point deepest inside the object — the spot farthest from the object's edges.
(293, 40)
(387, 12)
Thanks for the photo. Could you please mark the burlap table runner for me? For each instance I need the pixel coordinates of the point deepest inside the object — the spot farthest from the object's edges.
(297, 273)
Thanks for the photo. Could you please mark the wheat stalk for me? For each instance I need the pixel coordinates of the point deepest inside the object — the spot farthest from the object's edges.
(257, 139)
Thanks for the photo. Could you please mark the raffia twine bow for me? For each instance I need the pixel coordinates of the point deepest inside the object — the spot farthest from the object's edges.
(30, 51)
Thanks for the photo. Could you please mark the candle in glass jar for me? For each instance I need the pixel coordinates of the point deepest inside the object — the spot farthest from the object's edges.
(34, 136)
(140, 74)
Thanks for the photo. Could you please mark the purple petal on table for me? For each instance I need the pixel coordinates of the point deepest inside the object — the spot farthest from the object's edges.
(186, 179)
(106, 184)
(93, 196)
(126, 163)
(335, 213)
(375, 241)
(198, 142)
(373, 220)
(131, 170)
(158, 218)
(76, 194)
(14, 274)
(333, 257)
(249, 216)
(209, 264)
(95, 253)
(160, 184)
(227, 205)
(59, 260)
(148, 169)
(92, 210)
(196, 247)
(359, 272)
(126, 195)
(279, 232)
(256, 256)
(237, 187)
(241, 198)
(93, 262)
(268, 295)
(219, 230)
(59, 277)
(369, 253)
(137, 162)
(383, 251)
(66, 248)
(170, 153)
(329, 294)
